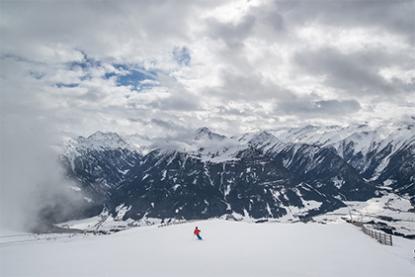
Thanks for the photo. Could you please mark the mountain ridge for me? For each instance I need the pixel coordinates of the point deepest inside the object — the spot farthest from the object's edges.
(258, 175)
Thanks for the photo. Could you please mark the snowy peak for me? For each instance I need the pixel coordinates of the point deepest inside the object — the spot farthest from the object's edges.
(139, 143)
(364, 136)
(206, 134)
(99, 141)
(109, 139)
(350, 140)
(262, 138)
(99, 135)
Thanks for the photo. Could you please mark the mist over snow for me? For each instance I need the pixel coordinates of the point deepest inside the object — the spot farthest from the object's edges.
(32, 180)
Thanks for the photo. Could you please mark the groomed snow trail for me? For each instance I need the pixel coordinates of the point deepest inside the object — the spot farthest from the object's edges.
(229, 249)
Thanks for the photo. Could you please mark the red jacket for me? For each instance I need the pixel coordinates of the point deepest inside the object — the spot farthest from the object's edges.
(196, 232)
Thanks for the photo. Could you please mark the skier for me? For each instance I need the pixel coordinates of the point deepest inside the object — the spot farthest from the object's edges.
(197, 233)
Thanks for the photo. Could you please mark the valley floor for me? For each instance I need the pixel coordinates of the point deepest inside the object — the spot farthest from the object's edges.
(228, 249)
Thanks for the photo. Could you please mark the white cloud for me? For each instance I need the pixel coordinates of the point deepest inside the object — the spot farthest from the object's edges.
(250, 64)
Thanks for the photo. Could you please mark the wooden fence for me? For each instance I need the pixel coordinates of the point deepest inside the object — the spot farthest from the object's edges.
(379, 236)
(175, 222)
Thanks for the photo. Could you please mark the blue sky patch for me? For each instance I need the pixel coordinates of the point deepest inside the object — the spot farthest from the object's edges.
(87, 62)
(135, 77)
(132, 76)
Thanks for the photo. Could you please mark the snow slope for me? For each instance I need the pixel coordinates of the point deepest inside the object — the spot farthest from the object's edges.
(392, 211)
(229, 249)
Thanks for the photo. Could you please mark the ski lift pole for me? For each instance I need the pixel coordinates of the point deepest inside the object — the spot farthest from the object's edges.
(350, 213)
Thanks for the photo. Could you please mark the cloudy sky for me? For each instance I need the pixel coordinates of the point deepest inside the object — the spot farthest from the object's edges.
(160, 67)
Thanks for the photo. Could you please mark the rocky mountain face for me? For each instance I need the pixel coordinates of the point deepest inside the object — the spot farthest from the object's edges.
(291, 173)
(100, 161)
(384, 155)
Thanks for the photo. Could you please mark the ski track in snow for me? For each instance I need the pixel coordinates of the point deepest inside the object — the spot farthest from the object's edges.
(229, 249)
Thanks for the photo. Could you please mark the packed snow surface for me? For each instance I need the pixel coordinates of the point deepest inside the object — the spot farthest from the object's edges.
(228, 249)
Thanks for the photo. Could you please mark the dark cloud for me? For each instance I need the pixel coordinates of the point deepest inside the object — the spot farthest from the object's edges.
(234, 111)
(337, 106)
(177, 102)
(233, 34)
(247, 88)
(182, 55)
(354, 73)
(315, 108)
(168, 125)
(395, 16)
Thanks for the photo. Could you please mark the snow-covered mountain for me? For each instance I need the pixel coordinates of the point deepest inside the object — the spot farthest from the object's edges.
(100, 161)
(287, 172)
(383, 154)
